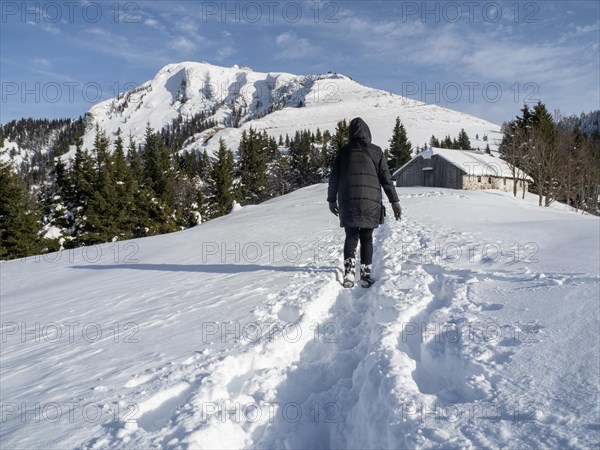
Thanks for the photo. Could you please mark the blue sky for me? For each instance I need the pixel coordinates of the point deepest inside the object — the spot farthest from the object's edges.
(484, 58)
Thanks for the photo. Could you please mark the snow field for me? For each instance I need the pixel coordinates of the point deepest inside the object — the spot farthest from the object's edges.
(480, 332)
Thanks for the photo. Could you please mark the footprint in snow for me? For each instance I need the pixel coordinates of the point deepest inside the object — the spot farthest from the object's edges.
(288, 313)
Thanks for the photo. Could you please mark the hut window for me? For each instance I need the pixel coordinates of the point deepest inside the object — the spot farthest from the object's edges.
(489, 180)
(504, 179)
(479, 179)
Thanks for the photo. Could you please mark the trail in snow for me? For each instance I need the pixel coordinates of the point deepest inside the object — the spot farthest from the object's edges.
(343, 384)
(354, 369)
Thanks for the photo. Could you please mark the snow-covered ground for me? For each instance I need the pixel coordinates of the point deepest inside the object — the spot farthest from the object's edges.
(481, 332)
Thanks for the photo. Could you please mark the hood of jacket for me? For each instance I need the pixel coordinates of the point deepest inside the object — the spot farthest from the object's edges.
(359, 131)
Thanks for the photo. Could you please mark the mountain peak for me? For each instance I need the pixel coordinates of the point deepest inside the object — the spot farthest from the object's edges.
(235, 66)
(236, 98)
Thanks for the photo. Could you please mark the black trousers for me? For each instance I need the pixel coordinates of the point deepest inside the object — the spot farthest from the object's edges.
(353, 235)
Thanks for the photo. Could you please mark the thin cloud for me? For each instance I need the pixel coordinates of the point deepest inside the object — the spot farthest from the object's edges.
(189, 39)
(115, 46)
(183, 44)
(151, 23)
(188, 26)
(293, 47)
(41, 63)
(387, 28)
(52, 29)
(580, 31)
(39, 66)
(225, 52)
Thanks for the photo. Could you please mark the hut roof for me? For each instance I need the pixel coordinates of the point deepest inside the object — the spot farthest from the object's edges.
(471, 162)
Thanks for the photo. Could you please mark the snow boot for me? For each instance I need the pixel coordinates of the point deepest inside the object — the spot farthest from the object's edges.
(365, 276)
(349, 268)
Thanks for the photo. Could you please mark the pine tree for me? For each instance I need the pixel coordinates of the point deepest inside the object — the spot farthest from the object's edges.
(332, 145)
(220, 184)
(280, 176)
(463, 142)
(203, 205)
(83, 180)
(184, 200)
(140, 223)
(120, 168)
(524, 121)
(204, 166)
(545, 157)
(19, 219)
(299, 160)
(434, 142)
(447, 142)
(188, 164)
(341, 136)
(253, 167)
(157, 164)
(272, 149)
(514, 145)
(56, 207)
(62, 180)
(543, 120)
(386, 154)
(156, 187)
(124, 186)
(400, 147)
(326, 138)
(100, 212)
(135, 162)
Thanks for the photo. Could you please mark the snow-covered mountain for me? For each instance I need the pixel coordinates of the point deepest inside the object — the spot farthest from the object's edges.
(481, 332)
(277, 102)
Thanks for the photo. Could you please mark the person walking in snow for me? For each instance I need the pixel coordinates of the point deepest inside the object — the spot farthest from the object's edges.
(358, 174)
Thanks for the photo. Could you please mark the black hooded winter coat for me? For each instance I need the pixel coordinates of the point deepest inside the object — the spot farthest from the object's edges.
(358, 174)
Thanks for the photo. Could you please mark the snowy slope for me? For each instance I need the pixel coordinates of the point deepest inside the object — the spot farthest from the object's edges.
(482, 332)
(270, 102)
(11, 151)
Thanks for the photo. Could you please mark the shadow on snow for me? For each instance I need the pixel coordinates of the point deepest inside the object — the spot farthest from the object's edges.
(208, 268)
